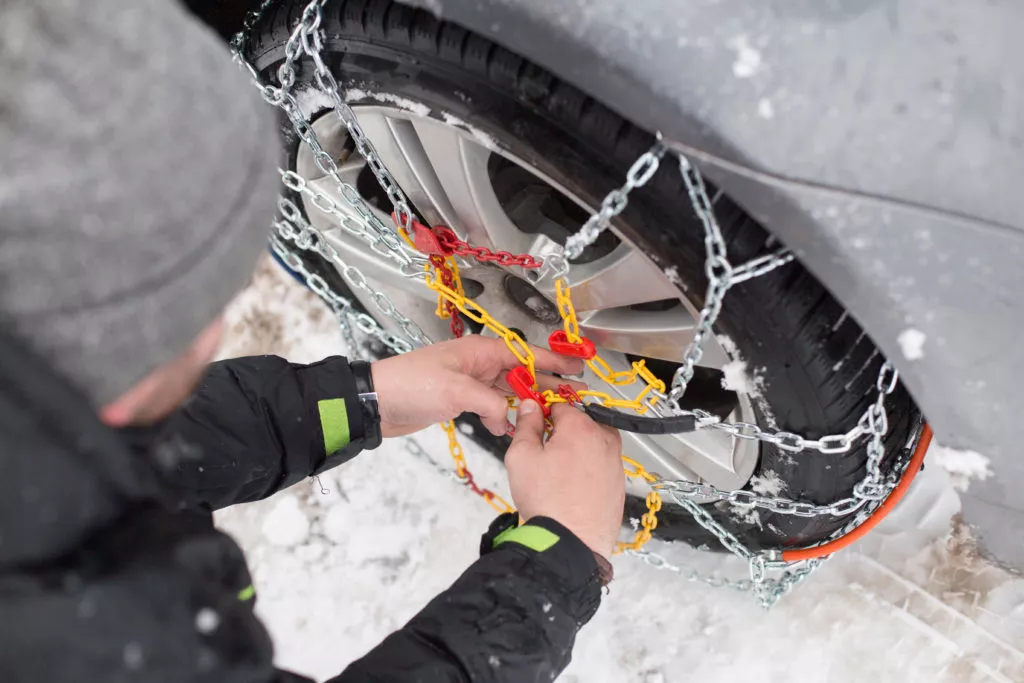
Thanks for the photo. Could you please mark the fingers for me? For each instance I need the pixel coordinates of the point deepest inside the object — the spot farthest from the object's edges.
(572, 425)
(491, 356)
(544, 382)
(529, 427)
(552, 383)
(549, 361)
(485, 401)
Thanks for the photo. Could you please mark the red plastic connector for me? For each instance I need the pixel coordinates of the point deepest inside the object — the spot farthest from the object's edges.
(521, 382)
(560, 344)
(569, 394)
(424, 238)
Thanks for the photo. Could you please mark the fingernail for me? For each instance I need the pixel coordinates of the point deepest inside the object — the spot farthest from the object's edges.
(528, 407)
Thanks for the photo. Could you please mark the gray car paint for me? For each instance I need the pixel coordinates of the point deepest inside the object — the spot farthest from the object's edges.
(880, 139)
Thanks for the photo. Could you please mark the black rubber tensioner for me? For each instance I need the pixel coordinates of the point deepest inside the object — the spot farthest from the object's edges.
(673, 424)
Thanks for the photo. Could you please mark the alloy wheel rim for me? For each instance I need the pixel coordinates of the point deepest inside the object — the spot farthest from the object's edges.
(626, 304)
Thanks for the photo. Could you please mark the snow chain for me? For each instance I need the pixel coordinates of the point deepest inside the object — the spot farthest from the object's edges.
(438, 268)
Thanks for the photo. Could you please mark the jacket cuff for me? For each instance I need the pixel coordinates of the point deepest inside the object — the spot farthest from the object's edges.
(332, 400)
(567, 562)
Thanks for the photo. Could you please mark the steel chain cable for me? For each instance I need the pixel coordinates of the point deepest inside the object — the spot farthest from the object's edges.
(642, 170)
(306, 39)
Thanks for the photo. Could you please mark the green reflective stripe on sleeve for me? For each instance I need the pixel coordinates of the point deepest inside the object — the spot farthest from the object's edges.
(247, 593)
(533, 537)
(334, 420)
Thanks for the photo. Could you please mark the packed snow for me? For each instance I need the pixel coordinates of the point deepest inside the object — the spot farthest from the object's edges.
(286, 525)
(748, 58)
(312, 100)
(911, 343)
(207, 620)
(341, 563)
(962, 465)
(735, 377)
(418, 108)
(483, 138)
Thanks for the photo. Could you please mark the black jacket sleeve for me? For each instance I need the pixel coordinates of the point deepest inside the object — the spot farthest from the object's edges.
(100, 581)
(511, 617)
(255, 426)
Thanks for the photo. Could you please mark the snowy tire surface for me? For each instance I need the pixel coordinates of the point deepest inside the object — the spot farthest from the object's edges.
(813, 366)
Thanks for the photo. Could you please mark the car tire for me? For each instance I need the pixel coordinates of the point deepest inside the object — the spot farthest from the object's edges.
(815, 367)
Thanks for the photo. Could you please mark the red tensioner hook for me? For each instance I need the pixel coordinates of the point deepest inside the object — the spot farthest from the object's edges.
(521, 382)
(560, 344)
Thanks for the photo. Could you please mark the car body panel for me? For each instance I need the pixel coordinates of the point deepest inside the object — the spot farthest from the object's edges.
(880, 140)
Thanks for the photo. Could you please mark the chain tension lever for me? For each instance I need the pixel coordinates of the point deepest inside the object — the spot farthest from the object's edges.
(673, 424)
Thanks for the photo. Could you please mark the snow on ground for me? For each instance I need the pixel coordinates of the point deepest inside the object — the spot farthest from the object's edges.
(341, 563)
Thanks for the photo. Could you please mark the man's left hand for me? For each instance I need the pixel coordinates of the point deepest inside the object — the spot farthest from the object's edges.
(442, 381)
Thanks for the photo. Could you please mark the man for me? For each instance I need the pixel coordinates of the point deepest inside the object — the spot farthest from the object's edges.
(136, 183)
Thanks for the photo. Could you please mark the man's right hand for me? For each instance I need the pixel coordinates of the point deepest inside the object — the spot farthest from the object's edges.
(575, 478)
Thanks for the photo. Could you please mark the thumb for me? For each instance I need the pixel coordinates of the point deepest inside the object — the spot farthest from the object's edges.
(529, 425)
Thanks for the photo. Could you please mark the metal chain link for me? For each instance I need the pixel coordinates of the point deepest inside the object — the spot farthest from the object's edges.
(309, 238)
(343, 307)
(642, 170)
(719, 273)
(413, 446)
(689, 573)
(761, 265)
(409, 262)
(306, 39)
(308, 35)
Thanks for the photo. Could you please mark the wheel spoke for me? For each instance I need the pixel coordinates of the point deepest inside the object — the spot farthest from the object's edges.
(652, 334)
(460, 168)
(654, 457)
(399, 147)
(355, 251)
(622, 278)
(708, 453)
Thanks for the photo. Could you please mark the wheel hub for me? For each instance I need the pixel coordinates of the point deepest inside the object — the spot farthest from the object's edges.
(530, 301)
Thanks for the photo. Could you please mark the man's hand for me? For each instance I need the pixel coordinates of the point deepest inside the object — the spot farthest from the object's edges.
(575, 478)
(441, 381)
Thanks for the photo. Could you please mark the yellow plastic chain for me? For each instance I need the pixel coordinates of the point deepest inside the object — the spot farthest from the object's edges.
(600, 367)
(455, 448)
(475, 312)
(649, 521)
(521, 350)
